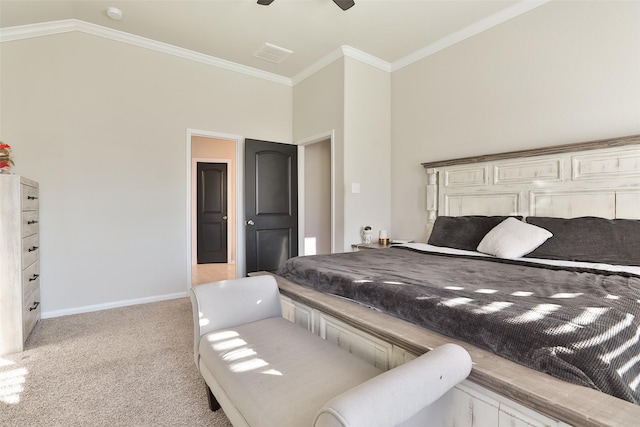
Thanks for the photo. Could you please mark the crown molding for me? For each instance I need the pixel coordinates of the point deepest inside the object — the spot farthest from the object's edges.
(469, 31)
(69, 25)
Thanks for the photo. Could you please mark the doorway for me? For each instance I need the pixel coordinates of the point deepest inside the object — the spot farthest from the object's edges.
(213, 149)
(317, 198)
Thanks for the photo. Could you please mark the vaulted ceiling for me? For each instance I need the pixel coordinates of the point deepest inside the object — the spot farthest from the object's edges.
(396, 32)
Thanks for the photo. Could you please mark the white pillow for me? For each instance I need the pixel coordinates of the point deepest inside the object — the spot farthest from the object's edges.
(513, 239)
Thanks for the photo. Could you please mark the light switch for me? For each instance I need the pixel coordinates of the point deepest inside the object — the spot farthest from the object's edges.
(355, 187)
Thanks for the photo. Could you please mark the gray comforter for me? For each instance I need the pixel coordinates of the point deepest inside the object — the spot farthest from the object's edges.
(579, 325)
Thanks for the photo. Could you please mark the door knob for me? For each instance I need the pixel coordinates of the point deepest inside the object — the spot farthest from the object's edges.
(250, 222)
(224, 217)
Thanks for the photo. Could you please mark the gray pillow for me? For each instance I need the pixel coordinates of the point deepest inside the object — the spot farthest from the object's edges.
(463, 232)
(590, 239)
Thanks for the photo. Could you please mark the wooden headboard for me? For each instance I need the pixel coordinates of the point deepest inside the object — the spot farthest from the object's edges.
(596, 178)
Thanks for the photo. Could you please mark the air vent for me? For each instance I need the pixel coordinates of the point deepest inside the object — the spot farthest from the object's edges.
(272, 53)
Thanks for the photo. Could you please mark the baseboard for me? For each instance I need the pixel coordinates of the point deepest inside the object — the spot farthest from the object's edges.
(107, 306)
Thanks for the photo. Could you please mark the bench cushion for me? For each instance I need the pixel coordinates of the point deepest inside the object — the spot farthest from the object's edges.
(262, 365)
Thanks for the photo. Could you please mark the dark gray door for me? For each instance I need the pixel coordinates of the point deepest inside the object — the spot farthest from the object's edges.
(271, 204)
(212, 213)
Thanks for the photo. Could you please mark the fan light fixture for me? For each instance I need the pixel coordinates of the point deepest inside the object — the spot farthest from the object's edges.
(342, 4)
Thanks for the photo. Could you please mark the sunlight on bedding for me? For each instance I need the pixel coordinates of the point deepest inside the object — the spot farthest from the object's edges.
(457, 301)
(11, 383)
(538, 312)
(605, 336)
(494, 307)
(608, 357)
(363, 281)
(389, 282)
(521, 294)
(454, 288)
(630, 364)
(588, 316)
(566, 295)
(486, 291)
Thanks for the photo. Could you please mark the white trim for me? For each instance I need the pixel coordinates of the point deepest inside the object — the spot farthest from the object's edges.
(239, 256)
(109, 305)
(194, 207)
(68, 25)
(317, 66)
(469, 31)
(330, 135)
(366, 58)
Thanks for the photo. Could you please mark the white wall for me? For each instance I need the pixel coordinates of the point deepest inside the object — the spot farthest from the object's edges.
(565, 72)
(102, 126)
(319, 109)
(367, 150)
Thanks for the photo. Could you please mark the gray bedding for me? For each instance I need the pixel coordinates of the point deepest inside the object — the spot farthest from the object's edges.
(579, 325)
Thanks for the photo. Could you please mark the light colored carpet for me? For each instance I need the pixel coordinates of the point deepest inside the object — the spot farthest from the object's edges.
(130, 366)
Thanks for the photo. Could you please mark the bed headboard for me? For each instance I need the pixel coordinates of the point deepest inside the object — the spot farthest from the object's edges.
(596, 178)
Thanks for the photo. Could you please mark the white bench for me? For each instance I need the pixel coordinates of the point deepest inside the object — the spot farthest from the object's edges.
(266, 371)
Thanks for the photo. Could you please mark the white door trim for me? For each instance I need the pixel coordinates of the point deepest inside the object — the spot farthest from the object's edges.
(330, 135)
(239, 206)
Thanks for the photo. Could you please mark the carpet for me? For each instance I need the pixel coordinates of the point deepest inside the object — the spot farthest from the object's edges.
(130, 366)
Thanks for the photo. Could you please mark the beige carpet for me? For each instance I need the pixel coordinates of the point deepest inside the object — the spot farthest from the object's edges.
(130, 366)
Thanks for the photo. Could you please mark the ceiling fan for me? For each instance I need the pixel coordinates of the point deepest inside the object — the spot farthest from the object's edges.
(342, 4)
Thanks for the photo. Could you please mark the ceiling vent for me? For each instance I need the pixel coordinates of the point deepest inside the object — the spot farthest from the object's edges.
(272, 53)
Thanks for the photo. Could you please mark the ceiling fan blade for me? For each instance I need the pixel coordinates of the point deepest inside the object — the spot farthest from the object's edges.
(265, 2)
(344, 4)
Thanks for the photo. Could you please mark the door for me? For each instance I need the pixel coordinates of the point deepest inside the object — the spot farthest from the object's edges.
(271, 204)
(212, 213)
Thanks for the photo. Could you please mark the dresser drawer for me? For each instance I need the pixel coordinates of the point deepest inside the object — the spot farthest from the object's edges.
(30, 250)
(30, 279)
(29, 223)
(29, 197)
(30, 313)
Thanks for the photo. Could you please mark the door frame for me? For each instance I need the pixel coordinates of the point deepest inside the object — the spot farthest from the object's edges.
(194, 206)
(330, 135)
(239, 205)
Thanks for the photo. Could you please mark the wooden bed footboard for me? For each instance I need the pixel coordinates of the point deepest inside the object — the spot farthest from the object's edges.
(498, 392)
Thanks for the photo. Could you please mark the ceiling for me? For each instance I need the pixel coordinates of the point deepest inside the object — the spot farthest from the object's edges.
(392, 31)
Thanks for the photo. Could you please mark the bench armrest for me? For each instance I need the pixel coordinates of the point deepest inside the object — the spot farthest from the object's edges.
(228, 303)
(395, 396)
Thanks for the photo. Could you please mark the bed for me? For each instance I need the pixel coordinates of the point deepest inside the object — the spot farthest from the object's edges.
(540, 336)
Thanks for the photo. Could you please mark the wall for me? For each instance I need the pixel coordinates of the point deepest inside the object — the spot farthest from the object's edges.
(565, 72)
(102, 126)
(319, 108)
(367, 150)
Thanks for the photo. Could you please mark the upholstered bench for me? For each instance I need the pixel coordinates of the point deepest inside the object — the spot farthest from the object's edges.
(266, 371)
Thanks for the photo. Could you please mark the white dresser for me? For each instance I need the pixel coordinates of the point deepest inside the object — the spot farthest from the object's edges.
(19, 261)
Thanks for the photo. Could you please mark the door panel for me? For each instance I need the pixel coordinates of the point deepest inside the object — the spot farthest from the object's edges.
(271, 201)
(212, 212)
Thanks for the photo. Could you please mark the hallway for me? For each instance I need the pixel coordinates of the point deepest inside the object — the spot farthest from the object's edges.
(205, 273)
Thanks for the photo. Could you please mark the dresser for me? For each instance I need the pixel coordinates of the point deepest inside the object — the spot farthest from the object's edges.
(19, 261)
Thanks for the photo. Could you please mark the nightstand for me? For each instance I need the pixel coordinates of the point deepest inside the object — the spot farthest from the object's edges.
(358, 246)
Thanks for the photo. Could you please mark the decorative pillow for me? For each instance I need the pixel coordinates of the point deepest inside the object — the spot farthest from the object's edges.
(590, 239)
(513, 239)
(463, 232)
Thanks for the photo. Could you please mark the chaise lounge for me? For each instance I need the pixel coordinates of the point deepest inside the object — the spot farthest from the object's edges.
(263, 370)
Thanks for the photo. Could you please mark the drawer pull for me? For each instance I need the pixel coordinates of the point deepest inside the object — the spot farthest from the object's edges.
(33, 221)
(32, 197)
(34, 277)
(35, 305)
(33, 248)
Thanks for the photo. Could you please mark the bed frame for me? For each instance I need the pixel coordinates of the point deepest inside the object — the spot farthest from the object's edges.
(598, 178)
